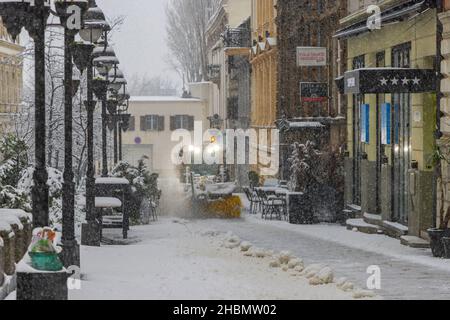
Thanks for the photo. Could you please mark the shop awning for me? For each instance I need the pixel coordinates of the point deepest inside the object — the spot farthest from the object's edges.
(387, 80)
(390, 15)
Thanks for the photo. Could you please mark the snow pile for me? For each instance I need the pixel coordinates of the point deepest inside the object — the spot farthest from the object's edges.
(317, 275)
(245, 246)
(361, 294)
(9, 285)
(231, 241)
(324, 276)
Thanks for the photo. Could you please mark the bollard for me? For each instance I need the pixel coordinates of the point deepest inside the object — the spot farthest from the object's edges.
(2, 263)
(8, 238)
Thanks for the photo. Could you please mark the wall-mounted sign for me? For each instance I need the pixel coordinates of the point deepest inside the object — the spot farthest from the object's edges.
(388, 80)
(313, 91)
(365, 123)
(386, 123)
(311, 56)
(137, 140)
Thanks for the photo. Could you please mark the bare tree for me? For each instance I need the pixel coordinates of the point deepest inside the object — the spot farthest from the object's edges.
(186, 27)
(151, 86)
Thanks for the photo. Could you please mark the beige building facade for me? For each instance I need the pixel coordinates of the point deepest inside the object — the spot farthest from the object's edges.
(10, 79)
(153, 121)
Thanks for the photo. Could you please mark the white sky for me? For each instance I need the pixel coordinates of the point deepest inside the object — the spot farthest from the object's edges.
(140, 44)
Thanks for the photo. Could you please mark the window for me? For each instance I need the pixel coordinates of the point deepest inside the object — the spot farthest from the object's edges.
(152, 123)
(182, 122)
(132, 126)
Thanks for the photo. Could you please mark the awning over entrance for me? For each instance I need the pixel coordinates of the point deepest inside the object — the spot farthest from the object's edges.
(387, 80)
(390, 15)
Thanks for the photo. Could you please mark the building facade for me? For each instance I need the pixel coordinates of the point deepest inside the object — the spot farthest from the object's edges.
(10, 79)
(153, 120)
(228, 43)
(391, 114)
(263, 61)
(308, 104)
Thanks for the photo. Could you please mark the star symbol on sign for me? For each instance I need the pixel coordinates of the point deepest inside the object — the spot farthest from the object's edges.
(416, 81)
(405, 81)
(384, 81)
(394, 81)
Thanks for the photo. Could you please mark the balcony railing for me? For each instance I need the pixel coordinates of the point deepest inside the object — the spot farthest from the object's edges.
(237, 37)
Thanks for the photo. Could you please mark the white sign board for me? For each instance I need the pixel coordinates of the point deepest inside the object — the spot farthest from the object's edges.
(311, 56)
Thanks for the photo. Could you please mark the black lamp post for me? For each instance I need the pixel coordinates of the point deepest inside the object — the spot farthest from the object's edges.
(16, 15)
(71, 250)
(94, 26)
(117, 82)
(124, 118)
(105, 62)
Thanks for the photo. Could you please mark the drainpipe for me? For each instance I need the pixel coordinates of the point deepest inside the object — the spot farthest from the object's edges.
(439, 95)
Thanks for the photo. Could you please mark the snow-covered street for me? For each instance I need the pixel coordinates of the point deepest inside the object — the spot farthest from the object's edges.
(406, 273)
(178, 259)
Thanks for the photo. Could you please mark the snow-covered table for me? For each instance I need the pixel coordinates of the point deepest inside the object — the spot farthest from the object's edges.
(103, 202)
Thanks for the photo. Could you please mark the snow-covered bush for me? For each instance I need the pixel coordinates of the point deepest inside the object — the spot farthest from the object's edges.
(54, 181)
(305, 166)
(13, 198)
(55, 184)
(15, 159)
(144, 185)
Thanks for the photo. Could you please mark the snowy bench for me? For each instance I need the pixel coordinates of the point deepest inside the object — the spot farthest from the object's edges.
(113, 193)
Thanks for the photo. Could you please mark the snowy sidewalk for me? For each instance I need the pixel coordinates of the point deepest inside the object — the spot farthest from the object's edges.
(406, 273)
(181, 261)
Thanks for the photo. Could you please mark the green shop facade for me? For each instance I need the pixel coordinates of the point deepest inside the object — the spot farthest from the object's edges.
(391, 116)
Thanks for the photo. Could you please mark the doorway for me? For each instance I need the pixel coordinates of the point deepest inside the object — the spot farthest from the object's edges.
(402, 141)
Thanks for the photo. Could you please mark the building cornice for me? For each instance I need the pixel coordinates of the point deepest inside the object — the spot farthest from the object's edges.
(362, 14)
(12, 46)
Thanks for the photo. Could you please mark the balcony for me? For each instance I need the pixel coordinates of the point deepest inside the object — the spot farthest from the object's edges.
(237, 37)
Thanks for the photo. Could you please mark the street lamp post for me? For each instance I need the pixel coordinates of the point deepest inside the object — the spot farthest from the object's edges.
(105, 63)
(16, 15)
(94, 26)
(71, 250)
(118, 81)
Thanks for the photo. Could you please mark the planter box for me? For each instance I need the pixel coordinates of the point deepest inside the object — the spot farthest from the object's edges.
(2, 263)
(299, 209)
(8, 238)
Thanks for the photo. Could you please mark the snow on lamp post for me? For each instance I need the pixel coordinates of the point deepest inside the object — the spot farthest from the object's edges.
(105, 60)
(94, 27)
(33, 17)
(70, 14)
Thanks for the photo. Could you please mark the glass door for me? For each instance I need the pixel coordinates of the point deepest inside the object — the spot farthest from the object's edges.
(402, 140)
(358, 100)
(381, 62)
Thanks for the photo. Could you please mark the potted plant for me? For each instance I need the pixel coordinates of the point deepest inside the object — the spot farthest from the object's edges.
(253, 177)
(439, 237)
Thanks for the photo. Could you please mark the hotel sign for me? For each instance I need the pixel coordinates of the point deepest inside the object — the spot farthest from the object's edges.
(389, 80)
(311, 56)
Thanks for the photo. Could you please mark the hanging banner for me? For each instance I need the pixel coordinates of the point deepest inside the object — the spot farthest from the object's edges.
(386, 123)
(365, 123)
(311, 57)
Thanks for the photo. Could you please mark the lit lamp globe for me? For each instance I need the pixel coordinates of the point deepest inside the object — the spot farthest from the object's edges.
(117, 80)
(94, 25)
(104, 65)
(117, 84)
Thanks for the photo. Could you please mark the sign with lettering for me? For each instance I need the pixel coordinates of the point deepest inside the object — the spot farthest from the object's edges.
(386, 123)
(311, 56)
(365, 123)
(313, 91)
